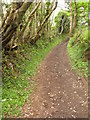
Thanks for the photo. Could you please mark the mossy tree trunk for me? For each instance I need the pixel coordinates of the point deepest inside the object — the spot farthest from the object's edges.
(13, 22)
(35, 38)
(28, 20)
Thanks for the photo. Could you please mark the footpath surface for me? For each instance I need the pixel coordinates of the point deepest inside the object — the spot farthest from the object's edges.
(60, 93)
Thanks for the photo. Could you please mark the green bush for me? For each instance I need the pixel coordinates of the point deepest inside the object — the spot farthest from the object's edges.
(77, 46)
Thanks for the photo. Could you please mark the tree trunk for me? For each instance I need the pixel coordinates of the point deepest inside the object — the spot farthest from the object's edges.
(71, 20)
(75, 15)
(28, 20)
(34, 39)
(10, 14)
(13, 24)
(62, 27)
(35, 19)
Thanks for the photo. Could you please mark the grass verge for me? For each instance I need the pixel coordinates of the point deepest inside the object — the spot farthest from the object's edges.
(76, 53)
(18, 72)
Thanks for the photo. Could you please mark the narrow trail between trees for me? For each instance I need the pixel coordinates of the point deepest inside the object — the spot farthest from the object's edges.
(60, 93)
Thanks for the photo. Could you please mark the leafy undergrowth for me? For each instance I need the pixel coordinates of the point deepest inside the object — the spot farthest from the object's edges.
(18, 72)
(77, 47)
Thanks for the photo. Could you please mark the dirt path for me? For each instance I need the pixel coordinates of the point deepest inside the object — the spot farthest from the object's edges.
(60, 93)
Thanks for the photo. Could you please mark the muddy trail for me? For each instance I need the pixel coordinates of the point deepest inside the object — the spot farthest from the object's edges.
(60, 93)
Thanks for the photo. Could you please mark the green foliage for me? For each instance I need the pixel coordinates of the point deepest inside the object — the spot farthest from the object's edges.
(76, 49)
(83, 12)
(21, 65)
(58, 21)
(18, 72)
(81, 35)
(48, 4)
